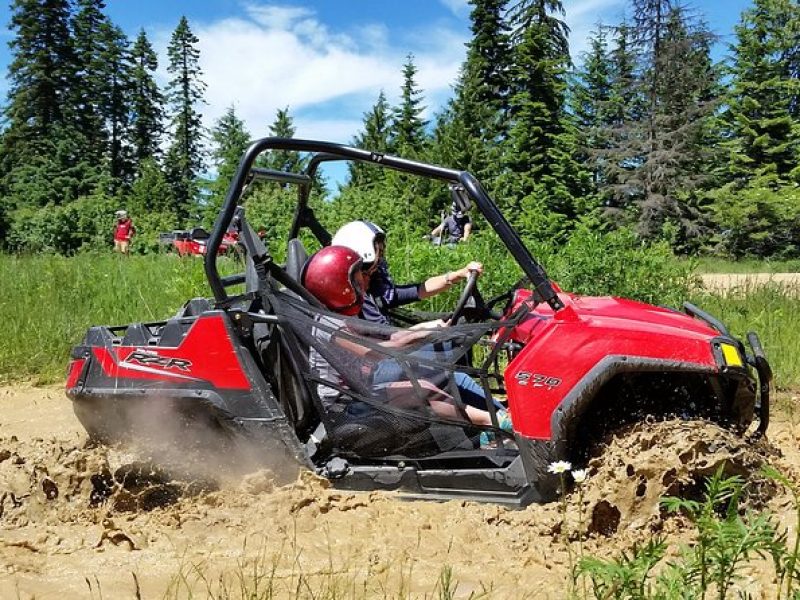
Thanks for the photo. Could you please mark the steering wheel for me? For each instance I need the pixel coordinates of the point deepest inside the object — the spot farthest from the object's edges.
(469, 291)
(505, 297)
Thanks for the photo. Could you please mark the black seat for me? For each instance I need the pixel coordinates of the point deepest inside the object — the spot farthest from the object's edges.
(172, 333)
(137, 334)
(195, 307)
(198, 233)
(296, 257)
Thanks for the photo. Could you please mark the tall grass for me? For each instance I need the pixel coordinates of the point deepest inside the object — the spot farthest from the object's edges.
(728, 541)
(50, 301)
(773, 312)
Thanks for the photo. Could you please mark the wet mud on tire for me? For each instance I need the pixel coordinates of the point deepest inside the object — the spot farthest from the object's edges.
(641, 463)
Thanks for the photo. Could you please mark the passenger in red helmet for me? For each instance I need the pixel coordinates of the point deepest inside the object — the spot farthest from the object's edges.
(334, 276)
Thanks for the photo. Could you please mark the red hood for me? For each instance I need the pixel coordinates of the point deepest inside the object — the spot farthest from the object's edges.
(616, 313)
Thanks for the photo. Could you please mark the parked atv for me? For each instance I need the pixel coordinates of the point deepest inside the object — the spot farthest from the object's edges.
(194, 242)
(571, 368)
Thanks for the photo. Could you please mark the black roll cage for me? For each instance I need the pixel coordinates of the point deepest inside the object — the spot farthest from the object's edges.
(328, 151)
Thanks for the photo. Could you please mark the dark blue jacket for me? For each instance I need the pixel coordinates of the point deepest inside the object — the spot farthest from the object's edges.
(384, 294)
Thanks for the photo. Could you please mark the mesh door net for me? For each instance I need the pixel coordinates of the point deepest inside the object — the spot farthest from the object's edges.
(383, 391)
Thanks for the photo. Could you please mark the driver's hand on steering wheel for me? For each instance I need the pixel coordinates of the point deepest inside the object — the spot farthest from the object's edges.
(472, 266)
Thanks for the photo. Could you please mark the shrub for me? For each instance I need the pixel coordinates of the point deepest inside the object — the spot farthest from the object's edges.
(761, 219)
(148, 227)
(619, 263)
(86, 223)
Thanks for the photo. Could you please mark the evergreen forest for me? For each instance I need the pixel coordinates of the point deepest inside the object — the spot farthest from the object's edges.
(645, 132)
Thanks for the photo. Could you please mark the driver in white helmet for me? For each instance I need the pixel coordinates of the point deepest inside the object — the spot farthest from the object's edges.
(369, 241)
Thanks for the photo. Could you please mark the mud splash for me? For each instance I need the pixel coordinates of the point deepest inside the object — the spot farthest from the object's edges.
(72, 513)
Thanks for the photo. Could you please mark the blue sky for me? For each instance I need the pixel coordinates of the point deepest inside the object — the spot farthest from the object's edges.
(328, 59)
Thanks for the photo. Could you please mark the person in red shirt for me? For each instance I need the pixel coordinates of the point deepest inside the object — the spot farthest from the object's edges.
(123, 232)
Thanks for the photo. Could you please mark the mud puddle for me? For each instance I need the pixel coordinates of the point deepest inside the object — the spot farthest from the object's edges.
(83, 521)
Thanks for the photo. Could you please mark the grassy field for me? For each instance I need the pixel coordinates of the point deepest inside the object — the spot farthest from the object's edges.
(773, 312)
(50, 301)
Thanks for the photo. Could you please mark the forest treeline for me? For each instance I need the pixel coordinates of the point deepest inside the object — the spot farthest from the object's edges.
(646, 132)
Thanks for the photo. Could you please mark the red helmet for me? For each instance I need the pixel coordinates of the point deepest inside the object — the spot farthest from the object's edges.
(330, 275)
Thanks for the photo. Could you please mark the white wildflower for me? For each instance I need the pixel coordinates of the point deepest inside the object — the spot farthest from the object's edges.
(559, 467)
(579, 475)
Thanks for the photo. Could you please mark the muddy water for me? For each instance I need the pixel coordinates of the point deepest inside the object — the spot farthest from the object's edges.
(83, 521)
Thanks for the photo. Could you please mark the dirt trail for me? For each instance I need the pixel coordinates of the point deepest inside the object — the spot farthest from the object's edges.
(78, 521)
(747, 281)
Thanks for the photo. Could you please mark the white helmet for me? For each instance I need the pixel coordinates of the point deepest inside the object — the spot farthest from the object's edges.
(121, 214)
(361, 237)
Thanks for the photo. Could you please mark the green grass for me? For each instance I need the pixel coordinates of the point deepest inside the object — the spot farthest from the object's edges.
(50, 301)
(773, 312)
(710, 264)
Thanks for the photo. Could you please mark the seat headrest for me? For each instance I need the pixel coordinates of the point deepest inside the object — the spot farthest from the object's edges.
(296, 257)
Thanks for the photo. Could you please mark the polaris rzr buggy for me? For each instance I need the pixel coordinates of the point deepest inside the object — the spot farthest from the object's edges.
(570, 368)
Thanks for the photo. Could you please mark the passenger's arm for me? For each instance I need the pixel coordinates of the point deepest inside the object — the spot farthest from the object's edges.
(399, 339)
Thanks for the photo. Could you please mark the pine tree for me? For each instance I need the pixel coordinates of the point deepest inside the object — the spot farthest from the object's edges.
(89, 26)
(229, 138)
(621, 155)
(146, 101)
(540, 169)
(469, 131)
(661, 141)
(764, 95)
(150, 191)
(283, 160)
(115, 106)
(678, 87)
(376, 138)
(590, 97)
(184, 159)
(408, 127)
(40, 76)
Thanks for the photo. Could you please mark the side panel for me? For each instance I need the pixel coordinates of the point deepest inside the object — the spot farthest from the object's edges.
(561, 355)
(206, 354)
(209, 377)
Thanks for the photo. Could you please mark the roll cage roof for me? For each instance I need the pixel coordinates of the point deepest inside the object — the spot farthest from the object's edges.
(326, 152)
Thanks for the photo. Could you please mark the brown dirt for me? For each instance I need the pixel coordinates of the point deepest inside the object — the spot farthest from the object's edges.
(726, 282)
(82, 521)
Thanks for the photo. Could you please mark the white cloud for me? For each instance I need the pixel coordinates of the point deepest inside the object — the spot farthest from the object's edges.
(277, 17)
(584, 15)
(340, 130)
(276, 56)
(273, 56)
(457, 7)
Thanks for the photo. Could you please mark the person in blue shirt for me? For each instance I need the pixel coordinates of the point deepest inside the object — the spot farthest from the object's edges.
(369, 241)
(455, 228)
(383, 294)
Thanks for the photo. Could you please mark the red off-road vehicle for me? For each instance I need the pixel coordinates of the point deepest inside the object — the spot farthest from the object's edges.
(245, 365)
(194, 242)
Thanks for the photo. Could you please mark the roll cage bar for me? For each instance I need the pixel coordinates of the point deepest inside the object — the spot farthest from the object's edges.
(326, 152)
